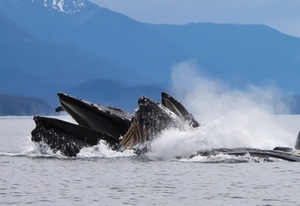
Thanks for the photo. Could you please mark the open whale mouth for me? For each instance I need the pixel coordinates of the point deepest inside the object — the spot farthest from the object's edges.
(177, 108)
(167, 102)
(104, 119)
(150, 119)
(136, 135)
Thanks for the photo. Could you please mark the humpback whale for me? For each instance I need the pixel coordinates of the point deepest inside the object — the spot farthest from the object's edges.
(287, 154)
(121, 130)
(66, 137)
(297, 144)
(108, 120)
(97, 122)
(150, 119)
(175, 106)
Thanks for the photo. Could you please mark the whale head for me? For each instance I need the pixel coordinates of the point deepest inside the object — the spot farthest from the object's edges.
(175, 106)
(149, 120)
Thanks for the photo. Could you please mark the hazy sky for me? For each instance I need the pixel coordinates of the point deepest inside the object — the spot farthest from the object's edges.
(283, 15)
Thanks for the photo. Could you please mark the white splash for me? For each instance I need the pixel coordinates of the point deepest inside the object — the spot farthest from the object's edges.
(103, 150)
(228, 117)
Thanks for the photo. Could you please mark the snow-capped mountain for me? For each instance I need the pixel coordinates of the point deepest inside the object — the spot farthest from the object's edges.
(52, 6)
(64, 6)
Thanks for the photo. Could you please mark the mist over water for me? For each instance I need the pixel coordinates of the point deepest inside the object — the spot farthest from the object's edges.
(229, 117)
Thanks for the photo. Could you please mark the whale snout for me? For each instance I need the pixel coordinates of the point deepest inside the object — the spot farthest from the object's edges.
(146, 101)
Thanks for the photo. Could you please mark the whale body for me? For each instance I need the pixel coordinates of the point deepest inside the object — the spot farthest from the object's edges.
(104, 119)
(67, 138)
(121, 130)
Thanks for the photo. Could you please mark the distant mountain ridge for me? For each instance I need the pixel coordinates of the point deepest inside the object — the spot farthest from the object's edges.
(104, 33)
(242, 53)
(48, 46)
(46, 68)
(23, 106)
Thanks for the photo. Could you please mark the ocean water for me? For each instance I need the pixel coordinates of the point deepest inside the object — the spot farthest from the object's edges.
(99, 176)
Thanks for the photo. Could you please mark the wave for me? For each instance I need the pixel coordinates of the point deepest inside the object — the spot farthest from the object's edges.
(229, 117)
